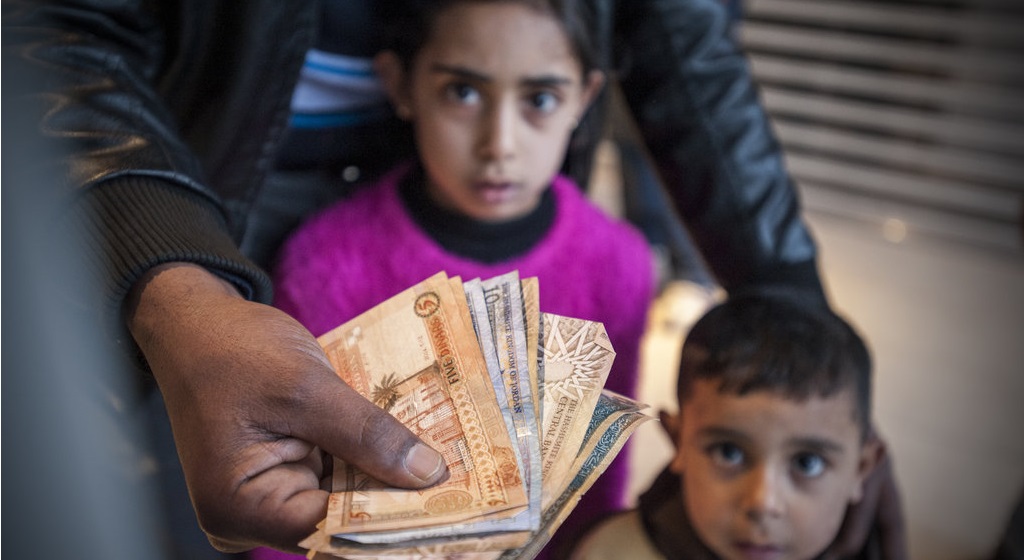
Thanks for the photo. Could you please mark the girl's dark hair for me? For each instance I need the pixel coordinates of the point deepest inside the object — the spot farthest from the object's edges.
(409, 23)
(778, 344)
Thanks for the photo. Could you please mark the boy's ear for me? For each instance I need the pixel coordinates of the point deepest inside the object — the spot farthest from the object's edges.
(389, 68)
(871, 454)
(592, 85)
(672, 424)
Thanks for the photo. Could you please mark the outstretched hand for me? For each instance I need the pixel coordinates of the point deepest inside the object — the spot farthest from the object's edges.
(252, 401)
(879, 513)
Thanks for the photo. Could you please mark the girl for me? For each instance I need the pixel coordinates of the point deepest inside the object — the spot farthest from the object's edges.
(493, 90)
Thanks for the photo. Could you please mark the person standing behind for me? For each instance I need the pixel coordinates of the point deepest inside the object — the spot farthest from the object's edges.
(494, 91)
(773, 443)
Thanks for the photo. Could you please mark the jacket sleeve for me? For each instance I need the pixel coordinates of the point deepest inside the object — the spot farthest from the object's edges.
(689, 88)
(87, 91)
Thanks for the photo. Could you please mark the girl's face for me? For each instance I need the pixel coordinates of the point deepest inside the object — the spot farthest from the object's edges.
(766, 477)
(494, 96)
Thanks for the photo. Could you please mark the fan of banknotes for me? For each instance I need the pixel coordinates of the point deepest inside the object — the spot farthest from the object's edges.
(511, 397)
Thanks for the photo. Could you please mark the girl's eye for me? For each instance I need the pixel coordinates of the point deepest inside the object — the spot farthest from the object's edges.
(463, 93)
(726, 455)
(809, 465)
(544, 101)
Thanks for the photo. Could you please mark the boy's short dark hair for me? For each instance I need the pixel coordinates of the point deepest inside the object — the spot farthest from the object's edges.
(775, 343)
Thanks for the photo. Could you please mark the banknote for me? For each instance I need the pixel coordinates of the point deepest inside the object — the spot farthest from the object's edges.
(486, 334)
(513, 399)
(496, 311)
(618, 418)
(531, 322)
(577, 359)
(503, 296)
(485, 328)
(615, 419)
(416, 356)
(322, 545)
(604, 431)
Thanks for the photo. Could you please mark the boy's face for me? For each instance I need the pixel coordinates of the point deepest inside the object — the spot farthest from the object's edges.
(765, 477)
(494, 96)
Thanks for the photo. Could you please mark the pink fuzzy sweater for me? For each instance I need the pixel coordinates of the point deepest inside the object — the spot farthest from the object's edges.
(363, 250)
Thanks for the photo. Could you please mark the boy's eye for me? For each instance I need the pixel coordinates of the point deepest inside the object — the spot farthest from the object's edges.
(463, 93)
(726, 455)
(543, 101)
(809, 465)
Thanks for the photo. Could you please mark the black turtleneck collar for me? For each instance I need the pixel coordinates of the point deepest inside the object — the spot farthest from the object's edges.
(480, 241)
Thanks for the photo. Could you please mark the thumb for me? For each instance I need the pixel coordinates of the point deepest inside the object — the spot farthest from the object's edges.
(352, 428)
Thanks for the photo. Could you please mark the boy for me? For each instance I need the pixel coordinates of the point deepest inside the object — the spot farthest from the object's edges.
(772, 440)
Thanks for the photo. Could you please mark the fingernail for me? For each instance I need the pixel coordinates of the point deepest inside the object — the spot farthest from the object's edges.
(424, 463)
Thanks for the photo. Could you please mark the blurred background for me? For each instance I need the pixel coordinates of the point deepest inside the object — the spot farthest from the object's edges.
(903, 125)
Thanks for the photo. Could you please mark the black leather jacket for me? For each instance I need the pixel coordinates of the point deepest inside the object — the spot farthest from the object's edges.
(168, 115)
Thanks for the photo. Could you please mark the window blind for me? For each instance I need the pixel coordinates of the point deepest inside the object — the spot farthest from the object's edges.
(902, 110)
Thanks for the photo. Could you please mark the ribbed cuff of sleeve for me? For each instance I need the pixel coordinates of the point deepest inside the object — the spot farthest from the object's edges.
(128, 225)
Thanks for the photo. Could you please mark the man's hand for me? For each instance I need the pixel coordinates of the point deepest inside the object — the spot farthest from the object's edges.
(252, 401)
(878, 512)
